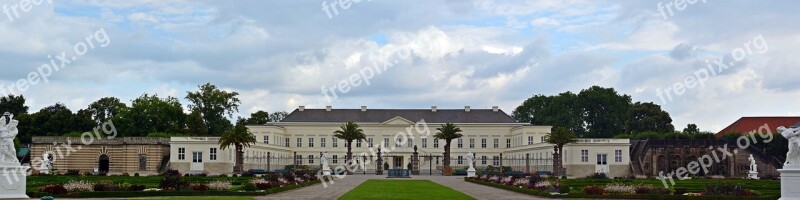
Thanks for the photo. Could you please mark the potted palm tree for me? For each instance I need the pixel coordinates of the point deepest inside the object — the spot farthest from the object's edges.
(349, 132)
(448, 132)
(560, 136)
(239, 137)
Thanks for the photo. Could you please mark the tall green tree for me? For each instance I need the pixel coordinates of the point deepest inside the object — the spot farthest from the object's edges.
(562, 110)
(644, 117)
(691, 129)
(195, 124)
(54, 120)
(239, 137)
(13, 104)
(149, 114)
(105, 108)
(560, 136)
(448, 132)
(214, 105)
(604, 111)
(349, 132)
(277, 116)
(259, 117)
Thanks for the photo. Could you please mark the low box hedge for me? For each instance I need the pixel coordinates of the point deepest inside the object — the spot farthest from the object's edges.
(170, 193)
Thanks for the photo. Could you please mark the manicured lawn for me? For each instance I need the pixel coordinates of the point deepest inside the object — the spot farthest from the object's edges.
(403, 189)
(765, 187)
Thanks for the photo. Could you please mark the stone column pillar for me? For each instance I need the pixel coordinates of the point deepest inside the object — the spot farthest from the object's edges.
(501, 164)
(379, 164)
(527, 162)
(269, 156)
(415, 162)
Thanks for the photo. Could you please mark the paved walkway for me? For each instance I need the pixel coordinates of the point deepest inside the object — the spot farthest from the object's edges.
(342, 186)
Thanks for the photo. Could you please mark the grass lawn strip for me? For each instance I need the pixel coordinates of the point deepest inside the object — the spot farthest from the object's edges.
(403, 189)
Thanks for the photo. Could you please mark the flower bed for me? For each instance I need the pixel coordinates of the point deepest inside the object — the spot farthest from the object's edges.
(554, 189)
(173, 184)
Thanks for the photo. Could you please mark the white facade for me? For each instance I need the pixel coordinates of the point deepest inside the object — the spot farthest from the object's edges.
(515, 142)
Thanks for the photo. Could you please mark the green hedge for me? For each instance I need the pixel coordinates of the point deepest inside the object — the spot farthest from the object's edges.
(170, 193)
(644, 196)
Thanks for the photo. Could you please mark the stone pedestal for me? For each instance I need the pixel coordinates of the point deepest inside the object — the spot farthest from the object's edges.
(752, 175)
(790, 181)
(12, 182)
(326, 171)
(471, 172)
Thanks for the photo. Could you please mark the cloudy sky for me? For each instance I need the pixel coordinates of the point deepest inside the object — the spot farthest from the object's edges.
(413, 54)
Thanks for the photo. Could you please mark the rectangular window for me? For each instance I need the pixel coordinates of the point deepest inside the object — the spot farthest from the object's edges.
(424, 142)
(385, 142)
(460, 160)
(584, 155)
(298, 160)
(358, 143)
(369, 142)
(197, 157)
(496, 160)
(472, 143)
(602, 159)
(530, 140)
(543, 139)
(335, 142)
(335, 159)
(321, 142)
(496, 143)
(435, 143)
(483, 160)
(398, 143)
(460, 143)
(508, 143)
(310, 142)
(299, 142)
(483, 142)
(617, 155)
(266, 139)
(410, 142)
(287, 142)
(212, 154)
(310, 159)
(181, 153)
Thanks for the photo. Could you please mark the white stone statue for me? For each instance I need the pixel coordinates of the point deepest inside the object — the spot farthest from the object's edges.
(793, 156)
(753, 174)
(8, 131)
(47, 164)
(326, 170)
(471, 161)
(13, 176)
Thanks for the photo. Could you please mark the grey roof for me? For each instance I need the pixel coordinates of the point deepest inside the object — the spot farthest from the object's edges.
(414, 115)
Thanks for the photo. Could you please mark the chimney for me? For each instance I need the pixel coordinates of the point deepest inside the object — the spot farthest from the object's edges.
(328, 108)
(466, 108)
(433, 108)
(363, 108)
(302, 108)
(495, 108)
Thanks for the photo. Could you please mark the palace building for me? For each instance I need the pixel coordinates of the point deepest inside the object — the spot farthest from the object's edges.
(405, 137)
(113, 156)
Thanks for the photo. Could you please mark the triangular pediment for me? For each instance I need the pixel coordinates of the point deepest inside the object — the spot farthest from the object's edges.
(398, 121)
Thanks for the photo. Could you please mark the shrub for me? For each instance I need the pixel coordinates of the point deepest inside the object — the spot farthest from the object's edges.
(135, 174)
(726, 189)
(136, 187)
(680, 191)
(72, 172)
(264, 186)
(593, 190)
(173, 181)
(598, 176)
(219, 185)
(199, 187)
(54, 189)
(249, 187)
(104, 186)
(79, 186)
(619, 188)
(563, 189)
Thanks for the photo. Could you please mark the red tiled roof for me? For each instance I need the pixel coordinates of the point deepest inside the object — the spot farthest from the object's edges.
(747, 124)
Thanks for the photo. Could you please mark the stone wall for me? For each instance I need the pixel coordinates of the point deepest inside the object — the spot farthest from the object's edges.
(70, 154)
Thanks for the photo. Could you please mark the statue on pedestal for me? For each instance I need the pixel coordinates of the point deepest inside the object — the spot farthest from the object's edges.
(471, 161)
(14, 175)
(326, 170)
(753, 174)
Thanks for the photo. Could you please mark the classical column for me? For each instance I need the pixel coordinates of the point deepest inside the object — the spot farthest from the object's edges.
(415, 162)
